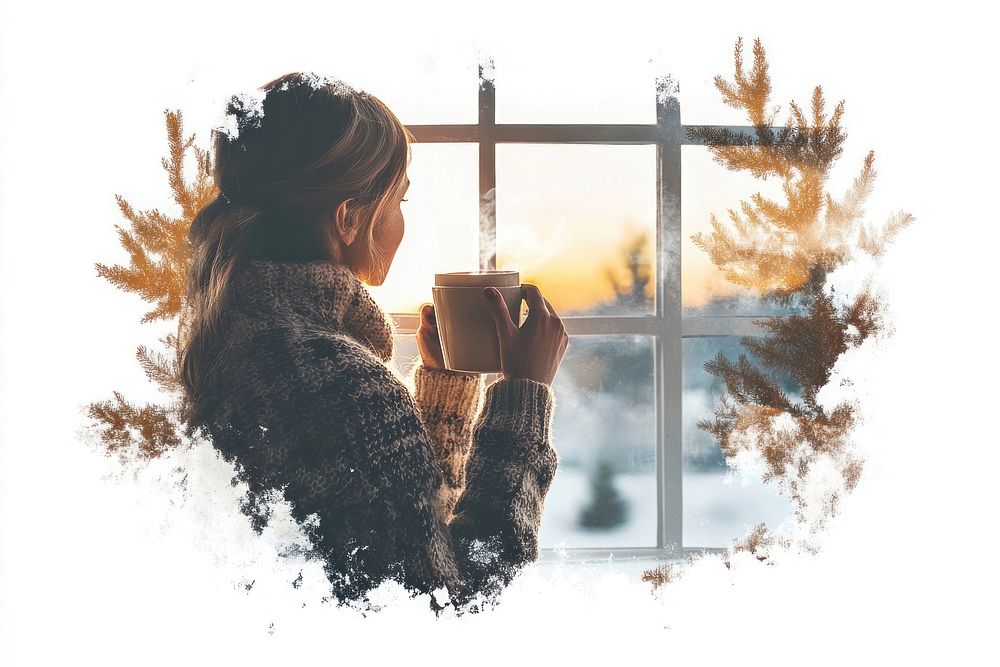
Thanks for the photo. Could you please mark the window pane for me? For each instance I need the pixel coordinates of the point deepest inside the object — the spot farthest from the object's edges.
(708, 188)
(578, 221)
(719, 506)
(593, 86)
(441, 230)
(604, 429)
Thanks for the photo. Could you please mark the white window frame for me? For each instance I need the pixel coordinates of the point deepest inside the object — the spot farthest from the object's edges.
(667, 325)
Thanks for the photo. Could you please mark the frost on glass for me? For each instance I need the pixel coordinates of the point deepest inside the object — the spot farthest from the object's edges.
(720, 504)
(604, 429)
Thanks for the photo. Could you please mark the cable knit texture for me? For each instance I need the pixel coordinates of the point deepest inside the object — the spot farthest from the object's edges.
(424, 488)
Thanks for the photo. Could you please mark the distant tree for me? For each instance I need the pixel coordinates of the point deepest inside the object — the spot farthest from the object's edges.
(607, 509)
(783, 251)
(626, 366)
(159, 256)
(635, 296)
(614, 368)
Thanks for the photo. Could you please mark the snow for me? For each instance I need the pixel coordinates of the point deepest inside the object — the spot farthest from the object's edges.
(718, 507)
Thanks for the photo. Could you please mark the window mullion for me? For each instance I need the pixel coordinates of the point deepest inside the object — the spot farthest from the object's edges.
(668, 372)
(487, 172)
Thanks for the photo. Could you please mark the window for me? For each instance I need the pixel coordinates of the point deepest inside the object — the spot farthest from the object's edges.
(719, 505)
(637, 478)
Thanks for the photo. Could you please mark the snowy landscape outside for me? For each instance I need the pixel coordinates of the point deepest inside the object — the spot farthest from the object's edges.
(605, 412)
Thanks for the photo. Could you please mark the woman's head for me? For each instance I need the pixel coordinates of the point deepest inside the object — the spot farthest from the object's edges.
(315, 172)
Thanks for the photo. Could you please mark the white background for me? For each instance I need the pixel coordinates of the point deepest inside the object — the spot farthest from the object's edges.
(105, 570)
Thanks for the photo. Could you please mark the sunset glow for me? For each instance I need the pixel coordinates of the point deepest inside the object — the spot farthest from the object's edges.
(564, 216)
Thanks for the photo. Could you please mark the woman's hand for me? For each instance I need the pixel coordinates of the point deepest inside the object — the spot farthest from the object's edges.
(536, 348)
(428, 340)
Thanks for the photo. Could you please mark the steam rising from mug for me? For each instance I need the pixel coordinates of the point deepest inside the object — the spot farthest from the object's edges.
(523, 245)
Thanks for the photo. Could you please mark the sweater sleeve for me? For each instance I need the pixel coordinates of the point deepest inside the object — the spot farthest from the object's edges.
(381, 517)
(509, 473)
(448, 402)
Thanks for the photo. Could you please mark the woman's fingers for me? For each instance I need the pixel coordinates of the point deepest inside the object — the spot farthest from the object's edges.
(428, 343)
(536, 303)
(501, 315)
(427, 315)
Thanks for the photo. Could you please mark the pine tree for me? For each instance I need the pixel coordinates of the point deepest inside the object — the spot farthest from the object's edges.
(635, 295)
(159, 256)
(618, 367)
(784, 251)
(627, 367)
(607, 508)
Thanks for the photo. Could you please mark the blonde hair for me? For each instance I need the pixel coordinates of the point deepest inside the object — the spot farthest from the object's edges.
(310, 145)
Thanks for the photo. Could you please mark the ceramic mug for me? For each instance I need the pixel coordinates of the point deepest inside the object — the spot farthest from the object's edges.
(465, 323)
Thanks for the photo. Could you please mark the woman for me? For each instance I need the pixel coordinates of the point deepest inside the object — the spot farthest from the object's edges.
(284, 360)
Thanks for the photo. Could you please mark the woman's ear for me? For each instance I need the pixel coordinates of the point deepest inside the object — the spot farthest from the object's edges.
(346, 225)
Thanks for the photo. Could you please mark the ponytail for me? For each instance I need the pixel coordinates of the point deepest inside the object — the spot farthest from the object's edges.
(313, 144)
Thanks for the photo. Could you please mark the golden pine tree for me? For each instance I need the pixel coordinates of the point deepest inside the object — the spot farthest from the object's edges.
(783, 251)
(159, 257)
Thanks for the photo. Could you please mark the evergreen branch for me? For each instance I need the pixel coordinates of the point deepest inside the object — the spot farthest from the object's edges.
(158, 233)
(833, 126)
(137, 254)
(149, 430)
(747, 383)
(819, 116)
(146, 282)
(761, 87)
(167, 309)
(874, 242)
(864, 315)
(801, 124)
(806, 347)
(660, 575)
(127, 211)
(723, 423)
(175, 166)
(730, 94)
(159, 369)
(758, 544)
(839, 214)
(159, 257)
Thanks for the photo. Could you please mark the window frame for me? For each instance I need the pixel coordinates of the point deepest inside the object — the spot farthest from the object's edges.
(667, 325)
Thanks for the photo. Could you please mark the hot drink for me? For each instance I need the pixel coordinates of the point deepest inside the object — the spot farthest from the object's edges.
(464, 321)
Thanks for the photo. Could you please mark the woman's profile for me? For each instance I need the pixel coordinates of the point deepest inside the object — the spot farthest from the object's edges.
(284, 359)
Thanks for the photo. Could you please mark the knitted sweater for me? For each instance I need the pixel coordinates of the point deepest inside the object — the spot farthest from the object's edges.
(420, 487)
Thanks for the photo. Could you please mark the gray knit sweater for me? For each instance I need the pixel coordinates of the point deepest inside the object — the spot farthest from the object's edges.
(420, 487)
